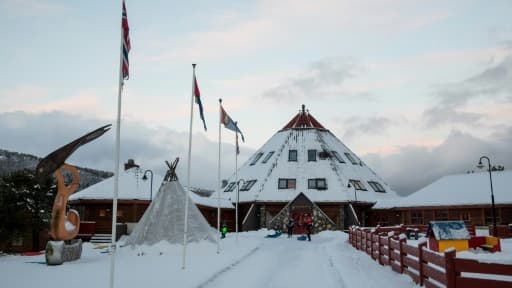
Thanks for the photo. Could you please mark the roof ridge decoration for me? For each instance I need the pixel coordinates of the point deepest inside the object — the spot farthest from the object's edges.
(303, 119)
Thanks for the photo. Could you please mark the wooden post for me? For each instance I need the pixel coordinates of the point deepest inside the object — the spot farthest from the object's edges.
(449, 258)
(378, 249)
(402, 243)
(389, 250)
(420, 260)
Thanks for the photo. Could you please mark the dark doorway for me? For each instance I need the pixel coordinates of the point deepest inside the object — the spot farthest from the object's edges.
(298, 217)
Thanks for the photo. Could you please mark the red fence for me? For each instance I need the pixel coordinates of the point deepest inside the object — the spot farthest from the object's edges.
(425, 267)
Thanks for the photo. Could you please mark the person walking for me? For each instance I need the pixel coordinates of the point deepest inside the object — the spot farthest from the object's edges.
(308, 221)
(290, 225)
(223, 231)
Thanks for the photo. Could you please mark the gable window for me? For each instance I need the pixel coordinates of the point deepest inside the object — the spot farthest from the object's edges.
(311, 155)
(247, 185)
(318, 183)
(357, 184)
(265, 160)
(338, 157)
(286, 183)
(351, 159)
(417, 217)
(230, 187)
(292, 155)
(256, 158)
(377, 187)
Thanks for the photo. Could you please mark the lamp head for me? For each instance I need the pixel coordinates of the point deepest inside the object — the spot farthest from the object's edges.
(348, 185)
(144, 177)
(480, 164)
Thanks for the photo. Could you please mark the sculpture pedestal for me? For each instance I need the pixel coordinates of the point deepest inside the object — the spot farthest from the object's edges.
(58, 252)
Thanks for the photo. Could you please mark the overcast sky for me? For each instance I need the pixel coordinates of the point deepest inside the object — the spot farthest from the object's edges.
(417, 89)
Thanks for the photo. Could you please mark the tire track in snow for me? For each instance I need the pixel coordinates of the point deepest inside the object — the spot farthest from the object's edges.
(227, 268)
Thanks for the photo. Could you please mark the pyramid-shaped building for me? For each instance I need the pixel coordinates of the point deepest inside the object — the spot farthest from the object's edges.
(305, 169)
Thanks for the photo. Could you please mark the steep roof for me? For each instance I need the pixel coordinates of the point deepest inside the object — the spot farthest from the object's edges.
(332, 161)
(303, 120)
(459, 189)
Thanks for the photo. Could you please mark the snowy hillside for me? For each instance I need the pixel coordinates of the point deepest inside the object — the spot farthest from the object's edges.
(13, 161)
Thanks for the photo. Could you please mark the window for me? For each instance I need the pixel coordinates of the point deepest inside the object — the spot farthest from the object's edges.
(376, 186)
(256, 158)
(318, 183)
(357, 184)
(417, 217)
(312, 155)
(351, 159)
(323, 155)
(17, 241)
(265, 160)
(488, 217)
(338, 157)
(230, 187)
(247, 185)
(292, 155)
(382, 219)
(466, 217)
(441, 215)
(286, 183)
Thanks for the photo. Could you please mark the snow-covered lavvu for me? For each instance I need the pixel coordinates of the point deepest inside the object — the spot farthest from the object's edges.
(327, 261)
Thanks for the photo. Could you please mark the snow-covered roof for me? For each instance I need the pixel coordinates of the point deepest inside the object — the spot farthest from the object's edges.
(459, 189)
(449, 230)
(334, 162)
(132, 187)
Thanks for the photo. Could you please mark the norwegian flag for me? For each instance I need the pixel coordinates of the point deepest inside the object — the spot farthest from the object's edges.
(126, 43)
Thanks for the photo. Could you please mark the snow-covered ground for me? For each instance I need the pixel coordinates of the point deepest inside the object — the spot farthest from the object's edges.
(327, 261)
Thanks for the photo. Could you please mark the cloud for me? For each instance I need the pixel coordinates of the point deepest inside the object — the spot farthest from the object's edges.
(355, 126)
(31, 8)
(42, 133)
(319, 79)
(495, 82)
(413, 167)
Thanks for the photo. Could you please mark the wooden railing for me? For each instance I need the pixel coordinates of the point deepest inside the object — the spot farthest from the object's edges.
(425, 267)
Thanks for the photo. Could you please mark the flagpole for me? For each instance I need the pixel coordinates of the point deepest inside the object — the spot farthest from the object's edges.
(116, 163)
(185, 228)
(237, 183)
(218, 181)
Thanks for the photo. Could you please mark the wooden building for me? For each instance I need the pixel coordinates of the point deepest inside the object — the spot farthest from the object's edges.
(465, 197)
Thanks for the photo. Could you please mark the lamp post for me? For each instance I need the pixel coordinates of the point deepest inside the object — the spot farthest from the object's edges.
(144, 177)
(236, 208)
(480, 166)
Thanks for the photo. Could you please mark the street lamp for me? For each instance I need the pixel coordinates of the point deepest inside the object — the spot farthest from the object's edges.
(480, 166)
(237, 200)
(144, 177)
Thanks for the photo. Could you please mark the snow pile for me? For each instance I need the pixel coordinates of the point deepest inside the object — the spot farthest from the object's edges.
(164, 219)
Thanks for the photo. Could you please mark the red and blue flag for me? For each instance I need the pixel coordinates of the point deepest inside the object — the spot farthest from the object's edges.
(229, 123)
(197, 96)
(126, 44)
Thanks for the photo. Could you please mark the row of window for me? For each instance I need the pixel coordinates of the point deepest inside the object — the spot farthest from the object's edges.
(315, 183)
(358, 185)
(318, 183)
(312, 156)
(247, 185)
